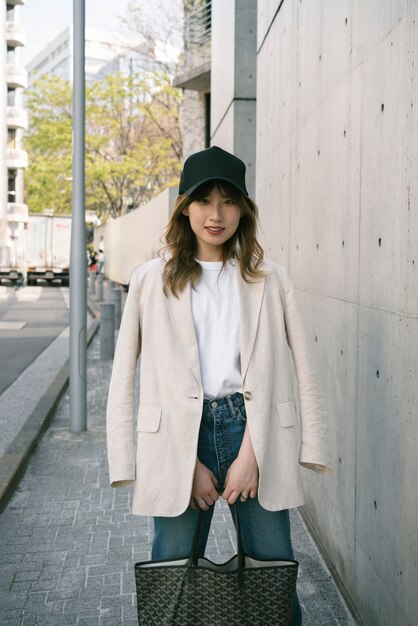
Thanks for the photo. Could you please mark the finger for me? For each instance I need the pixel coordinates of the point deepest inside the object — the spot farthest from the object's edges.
(243, 497)
(193, 504)
(214, 495)
(233, 497)
(214, 479)
(201, 503)
(253, 493)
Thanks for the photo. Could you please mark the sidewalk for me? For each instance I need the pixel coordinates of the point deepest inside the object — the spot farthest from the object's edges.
(68, 541)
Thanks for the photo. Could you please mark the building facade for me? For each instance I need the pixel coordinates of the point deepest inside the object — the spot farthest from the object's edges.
(13, 120)
(102, 49)
(320, 99)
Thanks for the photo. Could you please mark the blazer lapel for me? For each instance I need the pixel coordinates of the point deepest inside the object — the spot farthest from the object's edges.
(180, 310)
(250, 300)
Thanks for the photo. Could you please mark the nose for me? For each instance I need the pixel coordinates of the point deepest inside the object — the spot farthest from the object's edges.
(216, 213)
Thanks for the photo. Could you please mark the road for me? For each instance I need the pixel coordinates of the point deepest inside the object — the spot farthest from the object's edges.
(30, 319)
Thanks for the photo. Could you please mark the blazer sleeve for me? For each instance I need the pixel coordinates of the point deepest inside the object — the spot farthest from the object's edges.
(314, 451)
(119, 414)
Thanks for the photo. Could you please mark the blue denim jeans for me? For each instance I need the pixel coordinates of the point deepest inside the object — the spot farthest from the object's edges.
(265, 534)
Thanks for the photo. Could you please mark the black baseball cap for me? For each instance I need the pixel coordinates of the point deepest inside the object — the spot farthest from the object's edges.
(212, 164)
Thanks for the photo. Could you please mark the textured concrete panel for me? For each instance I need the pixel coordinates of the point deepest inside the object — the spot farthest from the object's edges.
(266, 12)
(373, 21)
(245, 46)
(223, 60)
(323, 30)
(324, 200)
(379, 498)
(224, 134)
(337, 189)
(386, 132)
(245, 137)
(331, 328)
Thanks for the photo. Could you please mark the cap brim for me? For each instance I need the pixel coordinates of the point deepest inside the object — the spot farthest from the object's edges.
(191, 189)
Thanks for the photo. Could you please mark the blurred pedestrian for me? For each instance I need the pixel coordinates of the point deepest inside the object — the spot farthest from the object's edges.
(216, 325)
(100, 261)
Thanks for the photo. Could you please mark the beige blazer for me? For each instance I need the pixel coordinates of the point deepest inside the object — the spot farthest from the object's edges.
(161, 329)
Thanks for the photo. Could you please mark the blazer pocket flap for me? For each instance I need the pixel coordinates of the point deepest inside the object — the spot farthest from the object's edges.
(287, 412)
(148, 418)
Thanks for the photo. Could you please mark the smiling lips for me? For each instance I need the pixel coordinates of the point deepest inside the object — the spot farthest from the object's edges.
(214, 230)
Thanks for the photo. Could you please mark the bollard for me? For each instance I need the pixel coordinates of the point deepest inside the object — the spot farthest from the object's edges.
(110, 285)
(93, 276)
(100, 287)
(116, 298)
(107, 330)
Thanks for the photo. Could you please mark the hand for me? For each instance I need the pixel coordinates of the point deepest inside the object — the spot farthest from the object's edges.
(242, 476)
(204, 487)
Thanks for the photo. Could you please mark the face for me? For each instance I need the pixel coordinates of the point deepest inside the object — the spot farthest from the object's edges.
(213, 219)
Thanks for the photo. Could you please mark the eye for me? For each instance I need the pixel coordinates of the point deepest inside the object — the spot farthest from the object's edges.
(204, 201)
(229, 201)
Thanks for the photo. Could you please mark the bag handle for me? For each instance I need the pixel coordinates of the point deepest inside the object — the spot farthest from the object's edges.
(241, 556)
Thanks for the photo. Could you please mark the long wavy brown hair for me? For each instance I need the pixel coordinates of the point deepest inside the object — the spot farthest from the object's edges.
(181, 243)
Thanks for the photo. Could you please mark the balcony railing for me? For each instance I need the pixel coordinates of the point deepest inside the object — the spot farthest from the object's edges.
(17, 212)
(16, 158)
(16, 117)
(16, 76)
(15, 34)
(199, 25)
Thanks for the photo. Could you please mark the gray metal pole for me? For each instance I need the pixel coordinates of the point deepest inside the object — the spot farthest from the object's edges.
(78, 262)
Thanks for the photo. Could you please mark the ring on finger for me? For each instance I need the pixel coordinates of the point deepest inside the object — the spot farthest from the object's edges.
(244, 496)
(199, 500)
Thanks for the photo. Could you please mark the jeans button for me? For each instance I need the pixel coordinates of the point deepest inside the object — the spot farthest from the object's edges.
(214, 404)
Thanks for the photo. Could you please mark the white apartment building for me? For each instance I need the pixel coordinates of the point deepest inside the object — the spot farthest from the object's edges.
(13, 122)
(102, 47)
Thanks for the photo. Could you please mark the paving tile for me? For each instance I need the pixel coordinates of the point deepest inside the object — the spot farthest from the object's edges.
(69, 542)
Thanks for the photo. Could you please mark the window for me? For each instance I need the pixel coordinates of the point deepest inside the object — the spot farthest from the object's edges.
(11, 138)
(11, 185)
(11, 55)
(10, 15)
(11, 97)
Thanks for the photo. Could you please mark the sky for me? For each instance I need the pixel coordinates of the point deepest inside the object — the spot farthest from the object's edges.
(45, 19)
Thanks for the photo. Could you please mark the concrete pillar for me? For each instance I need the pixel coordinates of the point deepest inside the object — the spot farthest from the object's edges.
(116, 298)
(107, 330)
(233, 81)
(100, 287)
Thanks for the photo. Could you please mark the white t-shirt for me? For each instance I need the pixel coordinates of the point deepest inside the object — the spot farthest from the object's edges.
(215, 306)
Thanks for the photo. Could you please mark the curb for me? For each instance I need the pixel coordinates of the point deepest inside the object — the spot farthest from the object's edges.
(14, 461)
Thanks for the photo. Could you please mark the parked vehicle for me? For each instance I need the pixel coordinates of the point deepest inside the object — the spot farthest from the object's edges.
(48, 254)
(13, 244)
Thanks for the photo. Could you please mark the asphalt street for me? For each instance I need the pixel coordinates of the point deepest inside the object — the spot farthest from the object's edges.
(30, 319)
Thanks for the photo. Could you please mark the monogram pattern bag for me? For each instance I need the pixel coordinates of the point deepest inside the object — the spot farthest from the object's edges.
(197, 592)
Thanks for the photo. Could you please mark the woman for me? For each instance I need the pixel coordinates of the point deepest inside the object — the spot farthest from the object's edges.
(214, 322)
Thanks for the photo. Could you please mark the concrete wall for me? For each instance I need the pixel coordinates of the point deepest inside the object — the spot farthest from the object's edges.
(134, 238)
(233, 80)
(337, 156)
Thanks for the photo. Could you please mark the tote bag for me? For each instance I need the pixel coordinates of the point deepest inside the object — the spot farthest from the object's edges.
(197, 592)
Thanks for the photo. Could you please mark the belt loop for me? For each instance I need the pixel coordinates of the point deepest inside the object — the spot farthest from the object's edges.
(231, 405)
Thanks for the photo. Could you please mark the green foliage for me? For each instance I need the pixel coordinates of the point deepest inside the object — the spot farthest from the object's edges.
(133, 143)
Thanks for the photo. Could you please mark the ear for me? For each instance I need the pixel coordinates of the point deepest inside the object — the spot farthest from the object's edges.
(185, 211)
